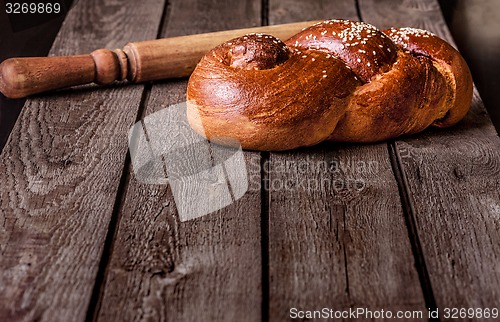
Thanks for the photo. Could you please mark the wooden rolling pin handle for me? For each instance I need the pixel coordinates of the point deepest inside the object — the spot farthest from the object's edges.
(21, 77)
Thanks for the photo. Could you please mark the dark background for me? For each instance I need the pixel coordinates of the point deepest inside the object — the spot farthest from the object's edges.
(473, 23)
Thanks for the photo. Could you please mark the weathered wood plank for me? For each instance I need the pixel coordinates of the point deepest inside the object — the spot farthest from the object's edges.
(286, 11)
(60, 173)
(205, 269)
(453, 179)
(337, 235)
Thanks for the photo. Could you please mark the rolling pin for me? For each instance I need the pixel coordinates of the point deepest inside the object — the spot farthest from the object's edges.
(137, 62)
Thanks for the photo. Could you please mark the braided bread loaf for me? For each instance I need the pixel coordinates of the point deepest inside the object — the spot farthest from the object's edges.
(337, 80)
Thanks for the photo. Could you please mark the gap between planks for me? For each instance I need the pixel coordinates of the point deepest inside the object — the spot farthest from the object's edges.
(264, 199)
(409, 214)
(97, 292)
(100, 281)
(264, 180)
(168, 305)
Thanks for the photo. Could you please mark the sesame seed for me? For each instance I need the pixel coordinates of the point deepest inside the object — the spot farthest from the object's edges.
(368, 64)
(324, 76)
(324, 71)
(313, 59)
(305, 56)
(359, 60)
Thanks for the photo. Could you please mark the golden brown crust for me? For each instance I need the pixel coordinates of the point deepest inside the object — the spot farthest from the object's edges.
(336, 80)
(451, 65)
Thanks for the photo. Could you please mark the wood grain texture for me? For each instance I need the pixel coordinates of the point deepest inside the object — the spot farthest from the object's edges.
(206, 269)
(287, 11)
(60, 172)
(337, 235)
(453, 178)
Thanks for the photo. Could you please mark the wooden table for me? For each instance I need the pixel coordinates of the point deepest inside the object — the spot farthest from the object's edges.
(82, 239)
